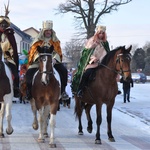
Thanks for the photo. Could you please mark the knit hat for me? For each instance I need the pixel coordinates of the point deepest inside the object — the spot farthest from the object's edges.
(48, 24)
(100, 28)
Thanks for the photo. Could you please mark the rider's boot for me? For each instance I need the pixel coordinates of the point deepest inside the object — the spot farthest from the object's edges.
(83, 83)
(81, 88)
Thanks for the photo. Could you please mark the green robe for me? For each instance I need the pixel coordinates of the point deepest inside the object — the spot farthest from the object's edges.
(84, 60)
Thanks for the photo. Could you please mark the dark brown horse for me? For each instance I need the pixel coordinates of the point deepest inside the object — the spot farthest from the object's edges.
(46, 94)
(6, 96)
(103, 90)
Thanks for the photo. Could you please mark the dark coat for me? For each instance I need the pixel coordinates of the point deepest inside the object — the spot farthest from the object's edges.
(126, 84)
(9, 32)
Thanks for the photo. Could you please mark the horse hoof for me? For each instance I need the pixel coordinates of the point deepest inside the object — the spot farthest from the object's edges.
(111, 139)
(52, 145)
(9, 132)
(2, 135)
(98, 142)
(35, 126)
(80, 133)
(46, 135)
(41, 140)
(89, 130)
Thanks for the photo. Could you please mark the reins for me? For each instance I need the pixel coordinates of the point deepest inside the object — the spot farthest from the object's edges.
(120, 72)
(47, 72)
(100, 64)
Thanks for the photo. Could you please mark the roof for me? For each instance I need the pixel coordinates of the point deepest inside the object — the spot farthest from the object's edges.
(31, 28)
(25, 36)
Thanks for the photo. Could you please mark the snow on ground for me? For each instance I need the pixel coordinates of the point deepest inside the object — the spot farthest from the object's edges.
(130, 125)
(139, 106)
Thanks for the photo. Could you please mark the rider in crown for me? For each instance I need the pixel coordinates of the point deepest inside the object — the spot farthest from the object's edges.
(47, 37)
(9, 48)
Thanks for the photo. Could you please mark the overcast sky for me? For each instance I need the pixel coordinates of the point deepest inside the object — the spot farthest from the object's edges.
(130, 25)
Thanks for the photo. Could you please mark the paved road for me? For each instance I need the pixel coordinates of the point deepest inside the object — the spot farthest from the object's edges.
(128, 136)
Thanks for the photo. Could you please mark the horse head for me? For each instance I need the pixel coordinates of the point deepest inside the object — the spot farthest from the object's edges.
(123, 59)
(45, 63)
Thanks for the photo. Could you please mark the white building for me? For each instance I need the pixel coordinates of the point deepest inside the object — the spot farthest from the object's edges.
(23, 39)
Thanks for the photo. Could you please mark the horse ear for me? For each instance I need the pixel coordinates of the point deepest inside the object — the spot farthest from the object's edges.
(129, 49)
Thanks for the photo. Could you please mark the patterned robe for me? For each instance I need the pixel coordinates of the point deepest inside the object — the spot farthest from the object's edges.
(8, 44)
(33, 52)
(83, 64)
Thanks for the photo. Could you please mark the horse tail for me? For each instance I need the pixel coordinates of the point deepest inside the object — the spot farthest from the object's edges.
(79, 106)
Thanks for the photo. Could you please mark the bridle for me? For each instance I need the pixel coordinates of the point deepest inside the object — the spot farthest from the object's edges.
(46, 72)
(119, 61)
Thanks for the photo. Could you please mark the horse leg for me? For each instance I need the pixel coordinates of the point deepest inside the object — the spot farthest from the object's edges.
(34, 110)
(98, 122)
(87, 111)
(68, 102)
(24, 100)
(9, 129)
(52, 128)
(2, 109)
(64, 103)
(21, 98)
(46, 120)
(109, 118)
(53, 111)
(41, 124)
(78, 110)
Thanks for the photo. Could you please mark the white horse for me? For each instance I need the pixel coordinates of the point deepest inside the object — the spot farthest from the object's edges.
(6, 96)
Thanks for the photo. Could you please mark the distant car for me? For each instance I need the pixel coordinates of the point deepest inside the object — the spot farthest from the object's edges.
(139, 77)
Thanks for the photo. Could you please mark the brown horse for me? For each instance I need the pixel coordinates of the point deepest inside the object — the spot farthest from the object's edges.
(103, 90)
(6, 96)
(46, 94)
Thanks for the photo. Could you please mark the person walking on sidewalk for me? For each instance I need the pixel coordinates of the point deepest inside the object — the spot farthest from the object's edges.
(126, 89)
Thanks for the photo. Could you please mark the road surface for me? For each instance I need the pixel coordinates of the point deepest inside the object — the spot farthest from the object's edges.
(130, 133)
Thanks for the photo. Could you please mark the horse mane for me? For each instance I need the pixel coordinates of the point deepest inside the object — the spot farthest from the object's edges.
(111, 54)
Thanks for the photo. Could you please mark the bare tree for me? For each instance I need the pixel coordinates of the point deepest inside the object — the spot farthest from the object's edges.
(146, 46)
(73, 51)
(87, 13)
